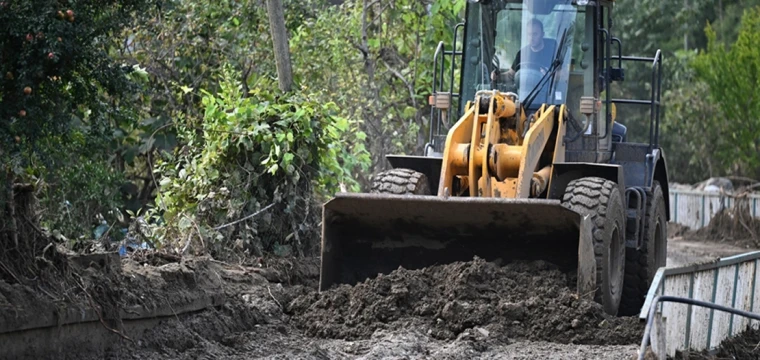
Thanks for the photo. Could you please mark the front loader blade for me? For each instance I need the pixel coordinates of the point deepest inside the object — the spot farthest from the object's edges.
(364, 235)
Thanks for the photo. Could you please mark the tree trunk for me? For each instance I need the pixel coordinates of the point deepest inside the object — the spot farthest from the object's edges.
(686, 28)
(281, 47)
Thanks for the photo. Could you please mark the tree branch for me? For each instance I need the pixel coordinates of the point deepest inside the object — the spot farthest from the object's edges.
(401, 77)
(245, 218)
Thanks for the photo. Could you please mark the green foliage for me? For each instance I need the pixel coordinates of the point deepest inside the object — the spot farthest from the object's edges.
(695, 131)
(185, 45)
(690, 125)
(188, 43)
(80, 190)
(381, 78)
(377, 65)
(250, 150)
(733, 76)
(55, 67)
(61, 95)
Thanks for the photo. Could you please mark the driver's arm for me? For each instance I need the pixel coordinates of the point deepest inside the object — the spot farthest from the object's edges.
(509, 75)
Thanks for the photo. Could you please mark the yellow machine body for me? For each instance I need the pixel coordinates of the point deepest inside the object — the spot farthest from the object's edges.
(507, 159)
(492, 153)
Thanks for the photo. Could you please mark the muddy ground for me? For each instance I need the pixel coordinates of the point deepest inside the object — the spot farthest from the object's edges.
(741, 347)
(734, 227)
(466, 310)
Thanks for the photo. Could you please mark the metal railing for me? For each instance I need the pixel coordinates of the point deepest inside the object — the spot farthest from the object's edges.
(659, 299)
(654, 101)
(727, 283)
(439, 65)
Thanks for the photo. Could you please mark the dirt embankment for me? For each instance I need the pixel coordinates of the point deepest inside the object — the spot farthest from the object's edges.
(463, 310)
(521, 300)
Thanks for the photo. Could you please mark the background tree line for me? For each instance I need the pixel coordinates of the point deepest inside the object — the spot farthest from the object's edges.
(710, 123)
(165, 116)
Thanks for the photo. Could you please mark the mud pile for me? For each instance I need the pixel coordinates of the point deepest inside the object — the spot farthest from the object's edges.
(518, 301)
(676, 230)
(272, 310)
(741, 347)
(734, 226)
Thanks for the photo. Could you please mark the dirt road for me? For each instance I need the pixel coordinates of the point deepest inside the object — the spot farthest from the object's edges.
(469, 310)
(322, 335)
(684, 251)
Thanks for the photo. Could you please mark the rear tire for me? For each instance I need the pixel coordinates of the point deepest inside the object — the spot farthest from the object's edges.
(401, 182)
(601, 200)
(641, 265)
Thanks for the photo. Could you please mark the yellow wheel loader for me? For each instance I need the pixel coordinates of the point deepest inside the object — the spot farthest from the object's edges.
(526, 160)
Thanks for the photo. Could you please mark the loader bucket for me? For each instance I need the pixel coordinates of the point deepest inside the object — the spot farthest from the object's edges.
(364, 235)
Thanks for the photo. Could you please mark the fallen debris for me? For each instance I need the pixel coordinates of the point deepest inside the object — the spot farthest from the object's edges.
(733, 225)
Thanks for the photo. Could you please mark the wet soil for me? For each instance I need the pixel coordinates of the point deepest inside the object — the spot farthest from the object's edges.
(684, 251)
(686, 246)
(465, 310)
(521, 300)
(745, 346)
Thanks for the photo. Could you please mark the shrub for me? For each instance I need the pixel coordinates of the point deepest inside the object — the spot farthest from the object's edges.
(251, 150)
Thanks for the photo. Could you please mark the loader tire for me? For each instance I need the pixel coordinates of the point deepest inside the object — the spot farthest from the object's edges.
(401, 182)
(601, 200)
(641, 265)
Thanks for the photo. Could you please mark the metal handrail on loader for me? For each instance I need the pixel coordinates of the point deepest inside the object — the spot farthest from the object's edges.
(654, 101)
(438, 86)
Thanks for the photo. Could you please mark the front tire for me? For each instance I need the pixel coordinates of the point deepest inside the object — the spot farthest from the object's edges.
(601, 200)
(401, 182)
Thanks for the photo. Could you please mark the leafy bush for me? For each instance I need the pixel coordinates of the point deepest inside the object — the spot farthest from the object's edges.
(689, 125)
(60, 97)
(60, 94)
(77, 191)
(249, 151)
(56, 72)
(378, 65)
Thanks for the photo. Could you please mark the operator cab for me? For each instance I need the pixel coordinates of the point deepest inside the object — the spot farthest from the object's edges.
(540, 50)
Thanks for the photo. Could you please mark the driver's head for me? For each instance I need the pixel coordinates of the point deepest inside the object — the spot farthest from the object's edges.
(535, 32)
